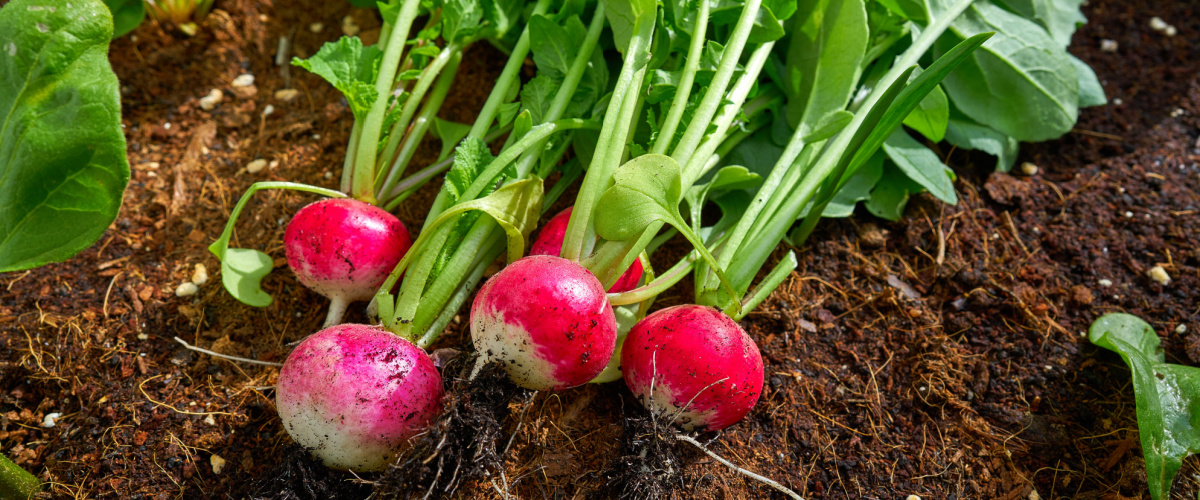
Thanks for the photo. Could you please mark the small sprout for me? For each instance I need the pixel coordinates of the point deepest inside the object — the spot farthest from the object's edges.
(243, 80)
(218, 463)
(1029, 169)
(210, 101)
(1159, 275)
(349, 27)
(186, 289)
(200, 275)
(256, 166)
(1108, 45)
(287, 95)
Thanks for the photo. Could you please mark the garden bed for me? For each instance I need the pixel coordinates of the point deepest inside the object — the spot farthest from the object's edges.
(939, 356)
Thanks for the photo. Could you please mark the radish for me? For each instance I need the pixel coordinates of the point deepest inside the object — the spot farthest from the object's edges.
(549, 242)
(547, 319)
(354, 394)
(344, 249)
(694, 364)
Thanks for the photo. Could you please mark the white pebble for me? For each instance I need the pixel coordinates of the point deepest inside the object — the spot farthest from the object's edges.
(349, 27)
(1177, 112)
(287, 95)
(187, 289)
(1128, 214)
(273, 164)
(210, 101)
(243, 80)
(200, 275)
(1181, 329)
(1108, 45)
(328, 175)
(1159, 275)
(1157, 24)
(256, 166)
(1117, 101)
(316, 27)
(210, 420)
(267, 111)
(218, 463)
(50, 420)
(1105, 283)
(913, 497)
(142, 336)
(1029, 169)
(1170, 31)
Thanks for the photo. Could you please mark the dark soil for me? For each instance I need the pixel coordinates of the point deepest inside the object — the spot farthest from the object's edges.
(939, 356)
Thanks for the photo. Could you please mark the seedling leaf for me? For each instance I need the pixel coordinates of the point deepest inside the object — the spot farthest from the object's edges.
(350, 68)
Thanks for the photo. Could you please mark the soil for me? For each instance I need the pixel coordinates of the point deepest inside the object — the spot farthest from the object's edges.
(939, 356)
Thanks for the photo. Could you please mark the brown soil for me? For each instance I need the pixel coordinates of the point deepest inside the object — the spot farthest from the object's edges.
(940, 356)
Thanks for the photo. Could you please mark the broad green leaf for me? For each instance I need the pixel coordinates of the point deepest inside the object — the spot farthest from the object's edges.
(591, 89)
(450, 133)
(62, 151)
(913, 10)
(538, 95)
(1021, 82)
(506, 113)
(965, 133)
(554, 46)
(824, 57)
(730, 178)
(516, 207)
(1167, 395)
(1059, 17)
(829, 125)
(350, 68)
(461, 19)
(624, 16)
(471, 157)
(931, 116)
(127, 15)
(767, 28)
(243, 269)
(891, 194)
(1090, 91)
(921, 165)
(757, 153)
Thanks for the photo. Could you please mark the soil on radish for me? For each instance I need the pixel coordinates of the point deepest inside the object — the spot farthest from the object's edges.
(939, 356)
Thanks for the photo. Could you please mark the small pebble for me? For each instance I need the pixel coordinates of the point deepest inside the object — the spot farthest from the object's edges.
(50, 420)
(256, 166)
(142, 336)
(1117, 101)
(349, 27)
(200, 275)
(913, 497)
(243, 80)
(210, 101)
(1159, 275)
(287, 95)
(210, 420)
(328, 175)
(1033, 495)
(1105, 282)
(1128, 214)
(1181, 329)
(187, 289)
(316, 27)
(268, 111)
(1029, 169)
(218, 463)
(1177, 112)
(1108, 45)
(1157, 24)
(1170, 31)
(273, 164)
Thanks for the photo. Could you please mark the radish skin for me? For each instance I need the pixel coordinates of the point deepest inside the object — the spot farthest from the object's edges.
(706, 372)
(344, 249)
(547, 319)
(550, 240)
(354, 394)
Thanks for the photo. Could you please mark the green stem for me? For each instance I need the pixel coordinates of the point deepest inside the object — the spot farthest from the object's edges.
(223, 240)
(351, 152)
(613, 135)
(363, 183)
(508, 76)
(419, 128)
(428, 77)
(494, 247)
(15, 482)
(683, 91)
(658, 285)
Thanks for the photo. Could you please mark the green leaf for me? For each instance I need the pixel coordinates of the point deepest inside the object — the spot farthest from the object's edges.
(857, 189)
(350, 68)
(553, 46)
(538, 95)
(913, 10)
(1167, 395)
(62, 151)
(730, 178)
(242, 269)
(824, 57)
(1021, 82)
(891, 194)
(1090, 91)
(506, 113)
(767, 28)
(965, 133)
(921, 165)
(471, 157)
(623, 17)
(931, 116)
(127, 15)
(450, 132)
(461, 19)
(1059, 17)
(516, 208)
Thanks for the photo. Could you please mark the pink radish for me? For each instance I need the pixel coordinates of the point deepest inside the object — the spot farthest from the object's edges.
(354, 394)
(549, 242)
(344, 249)
(548, 320)
(693, 364)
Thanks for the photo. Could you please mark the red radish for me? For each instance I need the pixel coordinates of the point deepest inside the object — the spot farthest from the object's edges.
(704, 370)
(344, 249)
(550, 239)
(354, 394)
(548, 320)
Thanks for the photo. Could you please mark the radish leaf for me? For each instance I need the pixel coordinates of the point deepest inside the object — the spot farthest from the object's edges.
(127, 15)
(62, 151)
(921, 165)
(350, 68)
(1167, 395)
